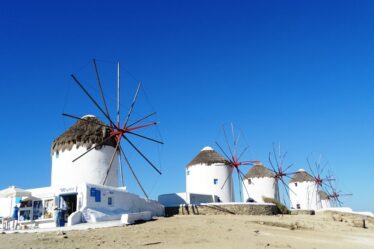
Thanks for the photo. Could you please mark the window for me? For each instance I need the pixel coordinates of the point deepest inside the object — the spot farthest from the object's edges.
(215, 181)
(188, 172)
(57, 154)
(298, 206)
(249, 181)
(295, 184)
(110, 201)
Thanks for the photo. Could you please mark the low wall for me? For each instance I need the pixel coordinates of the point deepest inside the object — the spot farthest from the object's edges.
(219, 209)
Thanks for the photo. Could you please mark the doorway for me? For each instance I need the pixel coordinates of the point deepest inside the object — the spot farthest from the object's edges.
(68, 203)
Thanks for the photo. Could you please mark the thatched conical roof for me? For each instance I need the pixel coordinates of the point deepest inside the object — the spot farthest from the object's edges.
(258, 171)
(302, 176)
(323, 195)
(207, 156)
(85, 132)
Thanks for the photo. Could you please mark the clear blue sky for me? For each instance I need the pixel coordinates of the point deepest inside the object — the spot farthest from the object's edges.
(295, 72)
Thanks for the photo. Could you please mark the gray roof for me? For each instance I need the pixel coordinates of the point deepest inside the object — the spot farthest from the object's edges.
(207, 157)
(323, 195)
(85, 132)
(259, 170)
(302, 176)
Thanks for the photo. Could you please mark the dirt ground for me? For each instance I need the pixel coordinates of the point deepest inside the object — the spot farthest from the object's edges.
(327, 230)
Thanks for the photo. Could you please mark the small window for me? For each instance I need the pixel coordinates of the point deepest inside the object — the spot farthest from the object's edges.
(298, 206)
(110, 201)
(188, 172)
(295, 184)
(249, 181)
(57, 154)
(215, 181)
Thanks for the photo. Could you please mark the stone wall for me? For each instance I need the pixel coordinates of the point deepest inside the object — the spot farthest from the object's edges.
(219, 209)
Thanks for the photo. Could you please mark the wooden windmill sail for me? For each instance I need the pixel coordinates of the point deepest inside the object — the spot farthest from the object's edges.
(118, 131)
(234, 155)
(280, 169)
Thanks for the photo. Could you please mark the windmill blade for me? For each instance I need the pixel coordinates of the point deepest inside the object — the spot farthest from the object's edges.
(271, 164)
(92, 148)
(234, 140)
(147, 138)
(275, 154)
(310, 167)
(240, 189)
(86, 120)
(220, 148)
(111, 163)
(286, 187)
(224, 183)
(94, 101)
(242, 176)
(133, 172)
(143, 118)
(227, 142)
(100, 87)
(133, 103)
(289, 166)
(242, 153)
(142, 155)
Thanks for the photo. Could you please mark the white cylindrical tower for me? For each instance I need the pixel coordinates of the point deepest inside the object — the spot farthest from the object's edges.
(325, 200)
(207, 173)
(93, 167)
(303, 191)
(259, 182)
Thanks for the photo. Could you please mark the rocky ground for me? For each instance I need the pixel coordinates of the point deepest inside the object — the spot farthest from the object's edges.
(324, 230)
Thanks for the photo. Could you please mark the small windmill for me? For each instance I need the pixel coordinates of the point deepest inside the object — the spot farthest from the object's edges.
(321, 182)
(121, 132)
(334, 195)
(234, 157)
(281, 172)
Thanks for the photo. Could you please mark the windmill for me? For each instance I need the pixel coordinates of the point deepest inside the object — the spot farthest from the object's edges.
(321, 182)
(123, 132)
(280, 171)
(234, 157)
(334, 195)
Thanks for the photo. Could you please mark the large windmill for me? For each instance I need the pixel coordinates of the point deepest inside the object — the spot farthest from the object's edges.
(121, 131)
(234, 155)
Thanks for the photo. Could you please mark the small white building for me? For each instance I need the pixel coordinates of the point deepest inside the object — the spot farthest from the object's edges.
(258, 183)
(209, 174)
(303, 191)
(86, 189)
(325, 200)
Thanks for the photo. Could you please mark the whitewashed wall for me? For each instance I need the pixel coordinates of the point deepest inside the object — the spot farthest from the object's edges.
(258, 188)
(6, 206)
(200, 180)
(305, 194)
(91, 168)
(325, 204)
(123, 202)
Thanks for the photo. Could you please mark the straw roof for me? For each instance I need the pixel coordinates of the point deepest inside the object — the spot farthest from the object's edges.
(259, 170)
(85, 132)
(302, 176)
(207, 156)
(323, 195)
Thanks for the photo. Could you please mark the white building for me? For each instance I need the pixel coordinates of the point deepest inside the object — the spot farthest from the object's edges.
(303, 191)
(85, 189)
(209, 174)
(259, 182)
(325, 200)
